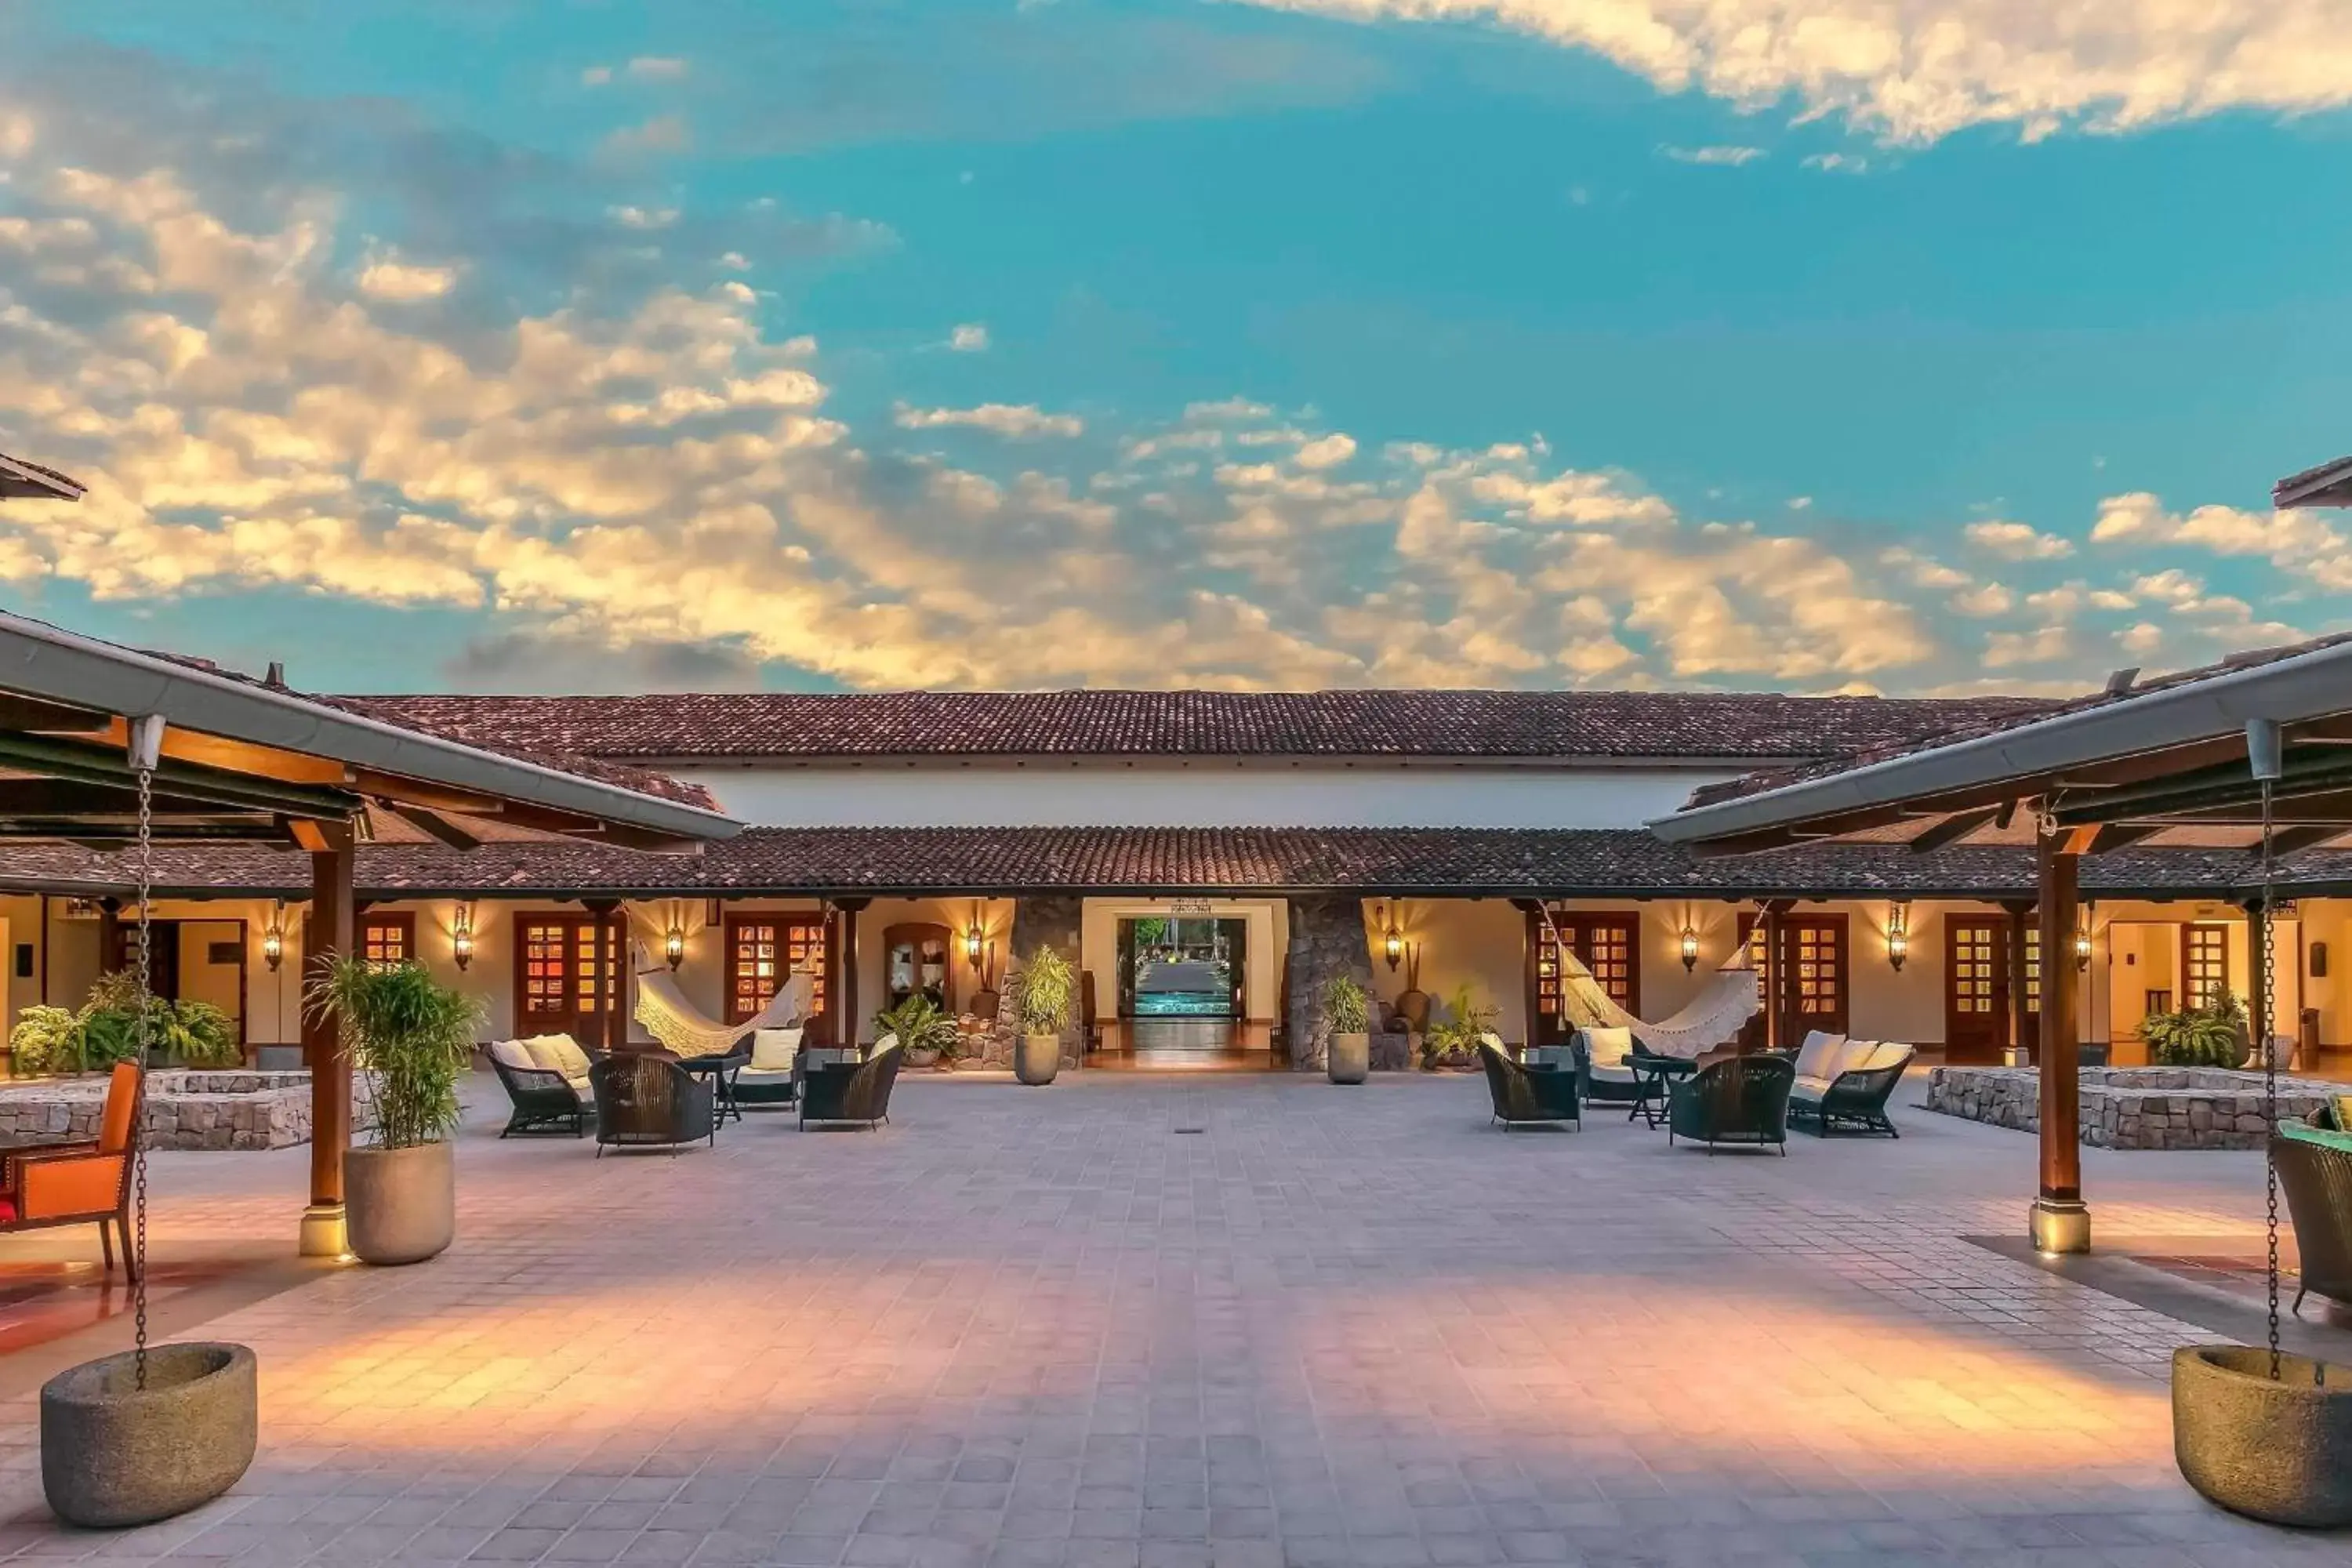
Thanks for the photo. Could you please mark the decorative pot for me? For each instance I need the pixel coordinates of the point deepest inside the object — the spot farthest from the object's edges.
(2275, 1451)
(113, 1454)
(1350, 1059)
(917, 1056)
(401, 1204)
(1037, 1058)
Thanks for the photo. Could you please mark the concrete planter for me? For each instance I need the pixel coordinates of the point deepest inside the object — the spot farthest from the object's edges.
(1351, 1059)
(2280, 1451)
(113, 1454)
(1037, 1058)
(402, 1203)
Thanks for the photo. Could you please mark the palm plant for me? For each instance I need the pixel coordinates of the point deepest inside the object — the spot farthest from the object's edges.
(1048, 991)
(415, 1035)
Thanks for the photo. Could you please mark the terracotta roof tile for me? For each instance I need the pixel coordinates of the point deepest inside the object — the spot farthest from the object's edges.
(1444, 724)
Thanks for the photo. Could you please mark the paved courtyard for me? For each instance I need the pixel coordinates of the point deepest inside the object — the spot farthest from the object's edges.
(1153, 1322)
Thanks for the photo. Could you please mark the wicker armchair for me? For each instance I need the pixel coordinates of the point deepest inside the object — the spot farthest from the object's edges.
(2315, 1172)
(544, 1099)
(645, 1101)
(1524, 1094)
(852, 1092)
(1734, 1100)
(1602, 1077)
(1856, 1096)
(86, 1182)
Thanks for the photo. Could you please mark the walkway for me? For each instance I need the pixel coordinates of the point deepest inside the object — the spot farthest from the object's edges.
(1163, 1322)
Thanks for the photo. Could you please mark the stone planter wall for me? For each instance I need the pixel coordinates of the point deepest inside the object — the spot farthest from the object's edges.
(1055, 921)
(185, 1108)
(2132, 1108)
(1326, 938)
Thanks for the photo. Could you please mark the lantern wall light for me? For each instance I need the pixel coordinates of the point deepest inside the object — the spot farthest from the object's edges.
(461, 936)
(273, 936)
(1690, 948)
(674, 945)
(2083, 947)
(971, 940)
(1898, 935)
(1391, 937)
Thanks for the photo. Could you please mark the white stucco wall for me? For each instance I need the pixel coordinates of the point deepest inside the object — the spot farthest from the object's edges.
(1202, 794)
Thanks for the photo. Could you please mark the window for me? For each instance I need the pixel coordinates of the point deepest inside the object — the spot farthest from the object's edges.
(1608, 945)
(388, 939)
(764, 950)
(562, 973)
(1818, 961)
(2033, 969)
(1976, 965)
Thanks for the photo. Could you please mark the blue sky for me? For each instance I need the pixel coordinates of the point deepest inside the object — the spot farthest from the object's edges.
(1729, 343)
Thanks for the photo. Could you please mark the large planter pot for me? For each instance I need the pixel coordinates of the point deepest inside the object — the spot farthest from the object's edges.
(113, 1454)
(401, 1204)
(2276, 1451)
(1350, 1059)
(1037, 1058)
(917, 1056)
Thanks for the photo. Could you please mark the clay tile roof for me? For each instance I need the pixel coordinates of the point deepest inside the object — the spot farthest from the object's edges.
(2328, 484)
(1493, 862)
(1469, 725)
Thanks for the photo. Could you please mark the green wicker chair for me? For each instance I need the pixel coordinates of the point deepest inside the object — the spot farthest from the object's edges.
(2315, 1172)
(1524, 1095)
(1856, 1097)
(1734, 1100)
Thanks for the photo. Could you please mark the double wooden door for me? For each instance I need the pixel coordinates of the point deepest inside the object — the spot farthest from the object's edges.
(1608, 945)
(1981, 987)
(1807, 984)
(568, 976)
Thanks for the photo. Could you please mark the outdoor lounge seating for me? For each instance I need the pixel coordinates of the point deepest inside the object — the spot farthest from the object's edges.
(853, 1092)
(773, 1076)
(1524, 1094)
(86, 1183)
(1734, 1100)
(1603, 1077)
(547, 1083)
(1846, 1083)
(645, 1101)
(2315, 1173)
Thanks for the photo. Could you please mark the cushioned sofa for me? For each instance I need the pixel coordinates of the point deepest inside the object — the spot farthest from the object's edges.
(546, 1080)
(1846, 1083)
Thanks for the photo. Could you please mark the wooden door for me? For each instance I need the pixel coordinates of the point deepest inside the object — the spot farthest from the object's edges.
(1237, 936)
(566, 979)
(1609, 945)
(764, 950)
(1806, 985)
(1976, 988)
(2204, 963)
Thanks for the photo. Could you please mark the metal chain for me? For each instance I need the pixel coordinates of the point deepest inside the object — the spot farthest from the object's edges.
(2261, 1031)
(138, 1134)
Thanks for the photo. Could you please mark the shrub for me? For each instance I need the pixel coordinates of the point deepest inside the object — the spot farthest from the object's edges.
(1049, 989)
(2212, 1036)
(1346, 1009)
(1456, 1038)
(920, 1024)
(414, 1034)
(105, 1030)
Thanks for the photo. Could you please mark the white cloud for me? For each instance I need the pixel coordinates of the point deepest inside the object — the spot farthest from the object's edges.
(1838, 162)
(2297, 541)
(1231, 408)
(596, 76)
(386, 276)
(662, 133)
(969, 338)
(643, 217)
(1722, 157)
(1916, 70)
(1985, 600)
(2017, 540)
(657, 68)
(1326, 451)
(1015, 421)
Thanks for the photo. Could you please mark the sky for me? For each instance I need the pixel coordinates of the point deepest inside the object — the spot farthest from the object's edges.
(1905, 346)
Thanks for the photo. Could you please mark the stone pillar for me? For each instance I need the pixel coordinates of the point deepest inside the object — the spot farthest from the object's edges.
(1048, 920)
(1326, 938)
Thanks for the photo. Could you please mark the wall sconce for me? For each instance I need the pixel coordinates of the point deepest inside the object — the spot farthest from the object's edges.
(461, 937)
(1391, 938)
(1898, 935)
(674, 945)
(1690, 948)
(2082, 947)
(273, 936)
(972, 939)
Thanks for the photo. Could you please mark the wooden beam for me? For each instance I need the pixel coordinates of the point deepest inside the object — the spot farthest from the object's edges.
(1952, 829)
(321, 837)
(2294, 840)
(239, 756)
(2060, 1223)
(329, 933)
(433, 825)
(2120, 836)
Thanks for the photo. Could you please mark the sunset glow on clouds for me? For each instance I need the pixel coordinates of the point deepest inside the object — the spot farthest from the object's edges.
(608, 374)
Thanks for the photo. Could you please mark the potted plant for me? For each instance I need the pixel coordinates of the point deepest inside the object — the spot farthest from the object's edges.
(105, 1030)
(1048, 988)
(416, 1036)
(1452, 1043)
(2211, 1035)
(925, 1032)
(1345, 1021)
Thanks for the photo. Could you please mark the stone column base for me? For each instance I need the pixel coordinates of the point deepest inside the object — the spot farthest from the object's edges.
(2061, 1224)
(323, 1232)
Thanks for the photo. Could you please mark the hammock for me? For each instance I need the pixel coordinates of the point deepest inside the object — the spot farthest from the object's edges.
(675, 1022)
(1729, 1000)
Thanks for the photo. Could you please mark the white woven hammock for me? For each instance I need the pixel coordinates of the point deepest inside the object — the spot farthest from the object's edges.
(676, 1023)
(1729, 1000)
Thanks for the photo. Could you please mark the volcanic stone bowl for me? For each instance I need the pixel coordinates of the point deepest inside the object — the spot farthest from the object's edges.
(114, 1453)
(2280, 1451)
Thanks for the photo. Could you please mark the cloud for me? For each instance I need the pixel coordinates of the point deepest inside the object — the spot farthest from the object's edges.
(662, 133)
(1326, 451)
(1916, 70)
(1015, 421)
(389, 278)
(969, 338)
(2017, 541)
(1837, 163)
(596, 76)
(637, 217)
(1715, 157)
(657, 68)
(2297, 541)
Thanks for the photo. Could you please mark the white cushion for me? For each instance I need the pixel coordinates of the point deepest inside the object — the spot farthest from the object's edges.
(882, 1048)
(1613, 1075)
(570, 1059)
(1608, 1047)
(1818, 1056)
(772, 1050)
(764, 1075)
(1810, 1087)
(512, 1056)
(1886, 1054)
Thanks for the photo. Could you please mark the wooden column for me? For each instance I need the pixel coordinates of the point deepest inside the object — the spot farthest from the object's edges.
(848, 993)
(2060, 1221)
(613, 927)
(329, 934)
(1776, 978)
(2258, 999)
(2020, 1031)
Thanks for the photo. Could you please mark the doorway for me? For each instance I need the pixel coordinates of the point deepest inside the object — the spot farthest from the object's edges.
(191, 961)
(1172, 966)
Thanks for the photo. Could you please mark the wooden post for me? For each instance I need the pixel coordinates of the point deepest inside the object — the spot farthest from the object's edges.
(2258, 999)
(2020, 1038)
(849, 908)
(613, 939)
(330, 935)
(1776, 984)
(2061, 1222)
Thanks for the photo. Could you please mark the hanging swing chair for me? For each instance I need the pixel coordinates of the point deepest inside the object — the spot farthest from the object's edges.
(155, 1430)
(2258, 1430)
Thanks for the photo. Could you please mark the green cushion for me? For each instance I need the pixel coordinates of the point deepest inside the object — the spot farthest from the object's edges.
(2303, 1132)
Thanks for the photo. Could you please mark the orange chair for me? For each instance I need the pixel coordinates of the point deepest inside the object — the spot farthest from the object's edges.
(80, 1183)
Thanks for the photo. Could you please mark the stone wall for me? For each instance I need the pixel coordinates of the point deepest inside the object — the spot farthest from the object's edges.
(184, 1109)
(1326, 939)
(2132, 1108)
(1051, 920)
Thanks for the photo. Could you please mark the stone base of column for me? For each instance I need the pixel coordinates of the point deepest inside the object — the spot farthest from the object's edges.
(2061, 1224)
(324, 1234)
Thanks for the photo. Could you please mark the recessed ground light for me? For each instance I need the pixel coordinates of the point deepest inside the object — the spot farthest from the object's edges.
(1192, 1129)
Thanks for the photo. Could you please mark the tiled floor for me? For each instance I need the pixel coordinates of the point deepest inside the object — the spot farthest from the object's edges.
(1336, 1327)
